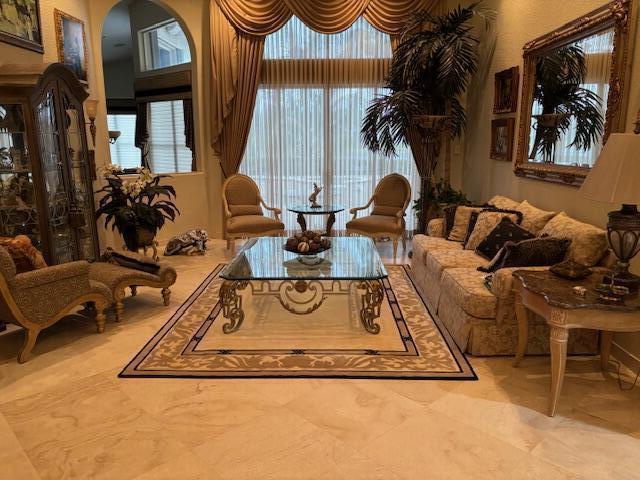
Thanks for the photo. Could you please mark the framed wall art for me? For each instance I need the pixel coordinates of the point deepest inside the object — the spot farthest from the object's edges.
(502, 131)
(505, 98)
(72, 43)
(20, 24)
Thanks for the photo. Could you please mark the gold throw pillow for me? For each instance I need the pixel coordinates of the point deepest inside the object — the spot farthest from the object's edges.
(461, 223)
(485, 224)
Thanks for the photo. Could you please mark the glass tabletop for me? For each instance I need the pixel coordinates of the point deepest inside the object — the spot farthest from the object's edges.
(349, 258)
(318, 210)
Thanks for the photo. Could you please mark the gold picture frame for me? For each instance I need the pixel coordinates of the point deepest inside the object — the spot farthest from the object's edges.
(21, 24)
(506, 86)
(502, 131)
(619, 15)
(72, 46)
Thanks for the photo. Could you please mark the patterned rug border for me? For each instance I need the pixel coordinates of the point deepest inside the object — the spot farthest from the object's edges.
(466, 371)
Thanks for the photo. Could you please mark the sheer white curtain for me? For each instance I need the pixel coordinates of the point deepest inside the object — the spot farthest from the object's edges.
(598, 50)
(306, 124)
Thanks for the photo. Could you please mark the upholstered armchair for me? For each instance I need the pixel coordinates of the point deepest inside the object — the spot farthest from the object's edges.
(37, 299)
(244, 217)
(390, 201)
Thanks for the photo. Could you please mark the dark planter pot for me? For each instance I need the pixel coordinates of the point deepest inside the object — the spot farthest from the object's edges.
(138, 237)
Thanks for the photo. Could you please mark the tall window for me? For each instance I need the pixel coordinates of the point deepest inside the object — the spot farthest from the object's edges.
(163, 45)
(167, 149)
(306, 124)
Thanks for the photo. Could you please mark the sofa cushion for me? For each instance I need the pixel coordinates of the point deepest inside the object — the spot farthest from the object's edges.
(483, 224)
(534, 219)
(505, 231)
(253, 224)
(423, 244)
(504, 202)
(439, 260)
(376, 224)
(461, 222)
(588, 243)
(467, 288)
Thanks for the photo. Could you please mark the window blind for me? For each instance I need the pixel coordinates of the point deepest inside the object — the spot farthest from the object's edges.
(124, 152)
(167, 150)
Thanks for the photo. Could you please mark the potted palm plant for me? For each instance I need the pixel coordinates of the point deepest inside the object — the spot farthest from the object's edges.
(137, 206)
(560, 75)
(430, 70)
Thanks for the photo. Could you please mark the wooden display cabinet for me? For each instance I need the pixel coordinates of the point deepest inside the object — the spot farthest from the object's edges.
(46, 187)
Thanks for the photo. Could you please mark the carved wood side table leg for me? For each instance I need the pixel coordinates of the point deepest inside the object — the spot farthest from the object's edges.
(330, 221)
(558, 337)
(606, 339)
(302, 222)
(522, 315)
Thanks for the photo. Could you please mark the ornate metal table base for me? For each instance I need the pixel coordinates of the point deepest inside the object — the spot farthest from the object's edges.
(302, 297)
(330, 221)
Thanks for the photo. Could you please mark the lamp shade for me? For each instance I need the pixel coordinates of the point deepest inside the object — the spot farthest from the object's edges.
(615, 178)
(91, 108)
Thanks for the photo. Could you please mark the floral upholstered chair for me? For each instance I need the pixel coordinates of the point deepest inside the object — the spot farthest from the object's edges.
(390, 201)
(244, 217)
(37, 299)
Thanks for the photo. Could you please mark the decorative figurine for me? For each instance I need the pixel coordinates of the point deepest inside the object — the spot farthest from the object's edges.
(314, 196)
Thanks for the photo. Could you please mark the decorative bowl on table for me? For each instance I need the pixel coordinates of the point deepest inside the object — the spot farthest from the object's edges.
(308, 245)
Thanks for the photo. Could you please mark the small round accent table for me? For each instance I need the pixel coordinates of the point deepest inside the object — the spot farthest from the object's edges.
(303, 210)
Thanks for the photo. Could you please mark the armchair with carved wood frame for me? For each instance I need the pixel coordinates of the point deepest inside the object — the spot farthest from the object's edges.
(390, 202)
(244, 217)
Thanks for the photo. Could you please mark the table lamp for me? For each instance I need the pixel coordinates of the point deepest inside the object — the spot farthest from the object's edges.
(615, 178)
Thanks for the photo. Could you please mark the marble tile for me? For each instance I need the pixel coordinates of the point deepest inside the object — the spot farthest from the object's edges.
(353, 411)
(185, 467)
(89, 429)
(14, 463)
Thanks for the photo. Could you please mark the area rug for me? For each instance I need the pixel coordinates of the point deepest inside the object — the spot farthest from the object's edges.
(328, 343)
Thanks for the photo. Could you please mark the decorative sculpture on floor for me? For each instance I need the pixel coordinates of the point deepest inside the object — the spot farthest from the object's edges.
(314, 196)
(193, 242)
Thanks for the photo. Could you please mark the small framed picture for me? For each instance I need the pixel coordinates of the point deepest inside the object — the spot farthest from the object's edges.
(505, 98)
(502, 138)
(20, 24)
(72, 43)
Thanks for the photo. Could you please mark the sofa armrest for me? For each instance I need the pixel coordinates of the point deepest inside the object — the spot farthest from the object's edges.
(53, 274)
(502, 284)
(435, 228)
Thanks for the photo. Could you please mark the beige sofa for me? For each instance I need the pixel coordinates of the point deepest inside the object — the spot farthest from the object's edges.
(482, 320)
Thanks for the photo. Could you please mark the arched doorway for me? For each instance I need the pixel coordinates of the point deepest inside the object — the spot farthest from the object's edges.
(146, 56)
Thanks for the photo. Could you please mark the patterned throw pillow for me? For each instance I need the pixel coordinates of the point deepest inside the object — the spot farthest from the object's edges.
(461, 223)
(503, 202)
(25, 256)
(505, 231)
(534, 219)
(535, 252)
(449, 215)
(588, 243)
(484, 224)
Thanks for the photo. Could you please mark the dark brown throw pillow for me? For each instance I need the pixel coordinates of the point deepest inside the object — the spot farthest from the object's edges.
(505, 231)
(129, 261)
(535, 252)
(449, 215)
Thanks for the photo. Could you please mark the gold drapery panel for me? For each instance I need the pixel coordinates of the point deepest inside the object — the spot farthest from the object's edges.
(246, 22)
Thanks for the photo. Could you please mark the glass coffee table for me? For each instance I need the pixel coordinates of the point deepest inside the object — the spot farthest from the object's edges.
(307, 209)
(302, 283)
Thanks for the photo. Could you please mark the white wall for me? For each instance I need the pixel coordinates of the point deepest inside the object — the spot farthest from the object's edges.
(517, 22)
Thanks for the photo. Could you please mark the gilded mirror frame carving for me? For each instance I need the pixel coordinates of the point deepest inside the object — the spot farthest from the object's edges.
(619, 15)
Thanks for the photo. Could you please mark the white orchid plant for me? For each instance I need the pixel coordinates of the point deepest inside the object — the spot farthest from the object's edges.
(136, 201)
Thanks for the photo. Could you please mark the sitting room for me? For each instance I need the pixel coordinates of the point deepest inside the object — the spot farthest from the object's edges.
(348, 239)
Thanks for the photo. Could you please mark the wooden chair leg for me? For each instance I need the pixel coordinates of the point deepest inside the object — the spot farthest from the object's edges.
(30, 337)
(119, 310)
(101, 318)
(404, 242)
(395, 248)
(166, 296)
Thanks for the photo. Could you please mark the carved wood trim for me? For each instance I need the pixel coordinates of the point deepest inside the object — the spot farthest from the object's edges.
(620, 15)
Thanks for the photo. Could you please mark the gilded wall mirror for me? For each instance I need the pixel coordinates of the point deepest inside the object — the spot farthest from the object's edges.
(574, 92)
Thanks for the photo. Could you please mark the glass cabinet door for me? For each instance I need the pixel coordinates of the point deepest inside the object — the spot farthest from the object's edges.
(81, 215)
(18, 210)
(62, 242)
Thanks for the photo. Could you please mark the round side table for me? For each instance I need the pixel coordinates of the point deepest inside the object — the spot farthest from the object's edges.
(303, 210)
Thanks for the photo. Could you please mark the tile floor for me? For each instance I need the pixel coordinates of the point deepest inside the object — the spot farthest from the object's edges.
(65, 414)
